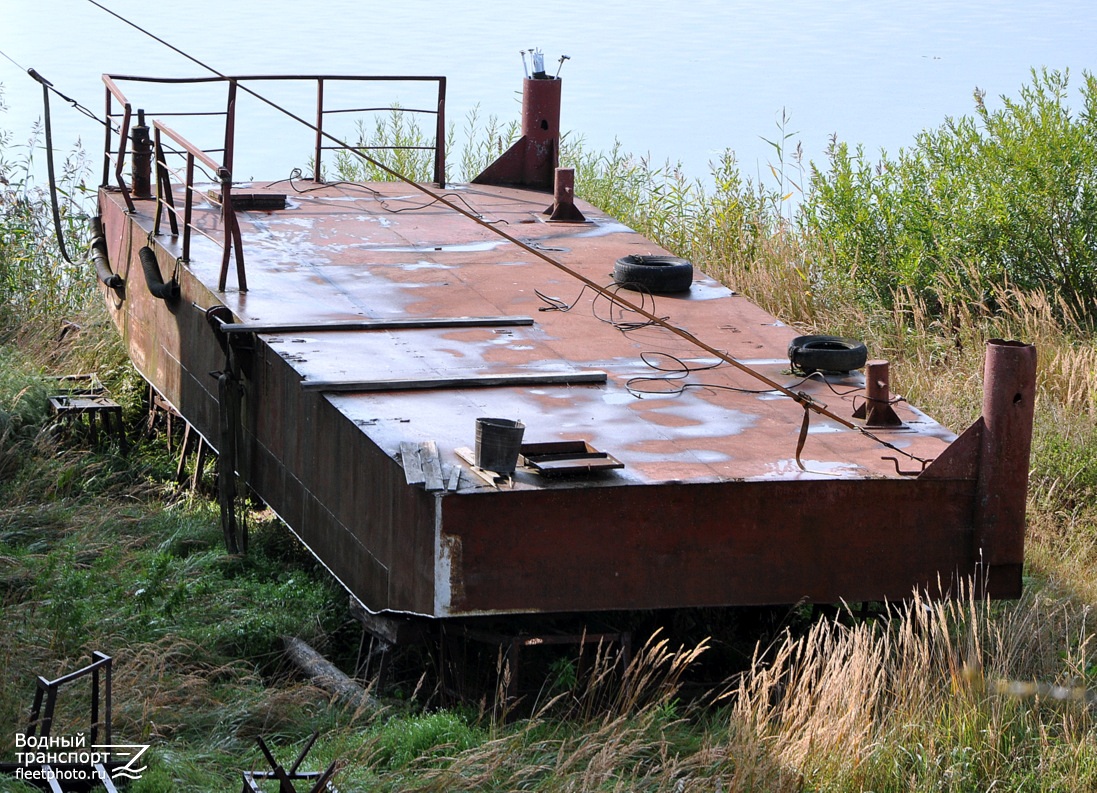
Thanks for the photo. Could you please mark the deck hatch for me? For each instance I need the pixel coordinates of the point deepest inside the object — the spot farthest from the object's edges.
(567, 458)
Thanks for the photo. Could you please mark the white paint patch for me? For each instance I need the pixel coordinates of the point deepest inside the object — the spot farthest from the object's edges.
(443, 565)
(816, 469)
(423, 264)
(604, 226)
(618, 398)
(468, 247)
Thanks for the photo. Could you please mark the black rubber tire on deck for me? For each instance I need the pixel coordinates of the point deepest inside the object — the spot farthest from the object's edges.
(652, 273)
(827, 353)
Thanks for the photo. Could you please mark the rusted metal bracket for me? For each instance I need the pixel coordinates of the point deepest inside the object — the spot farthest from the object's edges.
(901, 472)
(320, 779)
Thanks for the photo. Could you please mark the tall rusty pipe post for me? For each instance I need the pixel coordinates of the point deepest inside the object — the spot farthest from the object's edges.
(141, 158)
(541, 111)
(1009, 395)
(533, 159)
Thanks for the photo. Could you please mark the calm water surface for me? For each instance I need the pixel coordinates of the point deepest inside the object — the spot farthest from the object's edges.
(678, 82)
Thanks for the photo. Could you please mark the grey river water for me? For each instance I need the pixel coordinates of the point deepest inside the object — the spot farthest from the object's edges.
(674, 81)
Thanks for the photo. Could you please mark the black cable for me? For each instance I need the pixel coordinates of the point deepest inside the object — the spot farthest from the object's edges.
(683, 370)
(608, 293)
(54, 205)
(72, 102)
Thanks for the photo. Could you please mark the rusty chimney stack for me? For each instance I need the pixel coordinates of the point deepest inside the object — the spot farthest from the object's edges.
(533, 159)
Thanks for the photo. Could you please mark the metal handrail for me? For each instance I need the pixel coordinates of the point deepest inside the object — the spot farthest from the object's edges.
(193, 154)
(165, 201)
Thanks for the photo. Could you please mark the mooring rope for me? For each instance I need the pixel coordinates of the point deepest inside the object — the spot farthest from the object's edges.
(808, 402)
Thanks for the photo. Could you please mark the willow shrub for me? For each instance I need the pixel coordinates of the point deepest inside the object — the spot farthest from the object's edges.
(1009, 194)
(36, 284)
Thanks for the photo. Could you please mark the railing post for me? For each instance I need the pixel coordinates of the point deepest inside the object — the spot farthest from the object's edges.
(440, 136)
(319, 129)
(108, 714)
(106, 142)
(230, 125)
(188, 206)
(120, 161)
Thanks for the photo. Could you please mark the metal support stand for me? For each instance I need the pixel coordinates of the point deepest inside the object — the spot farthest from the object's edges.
(320, 780)
(40, 725)
(84, 397)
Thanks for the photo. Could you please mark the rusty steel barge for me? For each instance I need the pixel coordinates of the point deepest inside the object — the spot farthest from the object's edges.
(337, 342)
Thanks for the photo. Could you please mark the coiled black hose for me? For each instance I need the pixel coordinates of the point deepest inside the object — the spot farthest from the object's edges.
(155, 281)
(99, 256)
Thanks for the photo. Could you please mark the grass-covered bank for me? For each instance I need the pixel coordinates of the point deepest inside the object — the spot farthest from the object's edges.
(100, 551)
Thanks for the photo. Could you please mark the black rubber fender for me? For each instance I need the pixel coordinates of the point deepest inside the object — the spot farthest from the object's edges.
(653, 273)
(155, 281)
(827, 353)
(100, 258)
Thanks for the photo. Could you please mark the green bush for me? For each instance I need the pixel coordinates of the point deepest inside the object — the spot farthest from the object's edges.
(436, 735)
(35, 282)
(1004, 196)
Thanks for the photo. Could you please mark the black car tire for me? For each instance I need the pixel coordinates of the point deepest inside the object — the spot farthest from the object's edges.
(653, 273)
(827, 354)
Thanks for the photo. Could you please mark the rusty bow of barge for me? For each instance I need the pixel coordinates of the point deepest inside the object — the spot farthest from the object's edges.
(336, 343)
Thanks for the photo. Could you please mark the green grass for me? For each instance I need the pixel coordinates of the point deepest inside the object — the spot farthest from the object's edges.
(101, 551)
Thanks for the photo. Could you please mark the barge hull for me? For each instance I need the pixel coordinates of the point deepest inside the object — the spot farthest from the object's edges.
(369, 324)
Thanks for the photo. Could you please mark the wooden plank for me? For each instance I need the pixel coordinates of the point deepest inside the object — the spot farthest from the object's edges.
(416, 323)
(468, 381)
(413, 467)
(432, 466)
(492, 478)
(422, 465)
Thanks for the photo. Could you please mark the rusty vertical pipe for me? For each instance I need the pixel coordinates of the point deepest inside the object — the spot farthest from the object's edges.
(541, 129)
(877, 411)
(106, 142)
(541, 109)
(534, 157)
(141, 158)
(563, 197)
(877, 382)
(563, 189)
(1009, 395)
